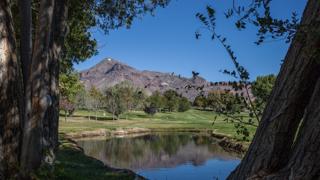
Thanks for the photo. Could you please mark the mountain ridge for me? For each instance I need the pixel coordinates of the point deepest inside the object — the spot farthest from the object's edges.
(109, 72)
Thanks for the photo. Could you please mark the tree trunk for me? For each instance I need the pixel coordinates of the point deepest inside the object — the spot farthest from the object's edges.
(273, 141)
(304, 161)
(51, 124)
(25, 39)
(10, 96)
(33, 138)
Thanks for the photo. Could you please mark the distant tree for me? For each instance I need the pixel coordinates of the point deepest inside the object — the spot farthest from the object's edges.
(171, 100)
(261, 90)
(139, 97)
(157, 100)
(35, 37)
(195, 74)
(150, 109)
(69, 86)
(184, 104)
(126, 91)
(200, 101)
(67, 106)
(262, 87)
(115, 104)
(80, 99)
(95, 100)
(225, 102)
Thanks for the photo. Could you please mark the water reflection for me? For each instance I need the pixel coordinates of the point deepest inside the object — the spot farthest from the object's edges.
(149, 153)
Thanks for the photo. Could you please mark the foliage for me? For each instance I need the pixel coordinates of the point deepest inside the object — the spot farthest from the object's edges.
(262, 87)
(115, 104)
(184, 104)
(127, 94)
(157, 100)
(85, 15)
(96, 98)
(224, 102)
(258, 14)
(69, 85)
(150, 109)
(171, 100)
(139, 97)
(115, 14)
(240, 73)
(81, 98)
(200, 101)
(79, 44)
(162, 121)
(67, 106)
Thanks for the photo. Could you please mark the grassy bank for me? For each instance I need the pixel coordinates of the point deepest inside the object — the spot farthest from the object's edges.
(190, 120)
(72, 163)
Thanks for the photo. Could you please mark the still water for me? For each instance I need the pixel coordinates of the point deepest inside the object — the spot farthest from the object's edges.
(165, 156)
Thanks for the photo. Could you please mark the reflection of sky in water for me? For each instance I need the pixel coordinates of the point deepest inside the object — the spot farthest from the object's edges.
(165, 156)
(212, 169)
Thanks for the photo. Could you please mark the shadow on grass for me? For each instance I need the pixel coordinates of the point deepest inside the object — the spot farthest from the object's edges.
(72, 163)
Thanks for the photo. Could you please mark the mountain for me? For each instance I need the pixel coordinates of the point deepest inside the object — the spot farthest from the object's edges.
(110, 72)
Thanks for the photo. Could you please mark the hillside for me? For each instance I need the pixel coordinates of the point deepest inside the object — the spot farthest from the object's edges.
(110, 72)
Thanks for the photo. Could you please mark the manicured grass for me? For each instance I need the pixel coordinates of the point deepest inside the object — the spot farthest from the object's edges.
(192, 119)
(73, 164)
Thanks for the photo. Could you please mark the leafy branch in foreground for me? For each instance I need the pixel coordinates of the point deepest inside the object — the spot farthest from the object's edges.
(240, 73)
(258, 13)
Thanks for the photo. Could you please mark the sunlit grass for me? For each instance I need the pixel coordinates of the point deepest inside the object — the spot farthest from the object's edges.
(190, 120)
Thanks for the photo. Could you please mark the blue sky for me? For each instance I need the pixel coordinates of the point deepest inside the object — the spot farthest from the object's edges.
(166, 42)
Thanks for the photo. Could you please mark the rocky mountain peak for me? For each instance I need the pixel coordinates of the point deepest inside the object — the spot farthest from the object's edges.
(110, 72)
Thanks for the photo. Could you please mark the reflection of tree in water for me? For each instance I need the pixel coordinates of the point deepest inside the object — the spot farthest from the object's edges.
(152, 151)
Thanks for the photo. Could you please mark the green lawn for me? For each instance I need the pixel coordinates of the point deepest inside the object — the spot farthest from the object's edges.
(192, 119)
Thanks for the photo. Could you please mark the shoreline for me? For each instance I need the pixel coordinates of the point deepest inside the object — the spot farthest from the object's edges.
(71, 146)
(225, 141)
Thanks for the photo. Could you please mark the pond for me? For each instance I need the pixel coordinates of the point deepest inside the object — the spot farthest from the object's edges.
(165, 156)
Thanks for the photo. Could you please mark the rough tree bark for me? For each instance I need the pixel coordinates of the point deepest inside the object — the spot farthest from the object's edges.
(305, 158)
(10, 95)
(274, 139)
(25, 39)
(32, 149)
(29, 90)
(51, 120)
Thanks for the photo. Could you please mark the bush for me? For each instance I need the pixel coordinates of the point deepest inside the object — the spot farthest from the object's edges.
(150, 110)
(200, 101)
(184, 104)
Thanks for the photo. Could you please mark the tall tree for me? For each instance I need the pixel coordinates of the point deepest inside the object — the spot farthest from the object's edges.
(115, 103)
(274, 152)
(29, 101)
(10, 95)
(96, 98)
(280, 148)
(171, 100)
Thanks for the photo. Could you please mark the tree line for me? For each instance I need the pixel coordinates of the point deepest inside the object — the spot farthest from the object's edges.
(116, 100)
